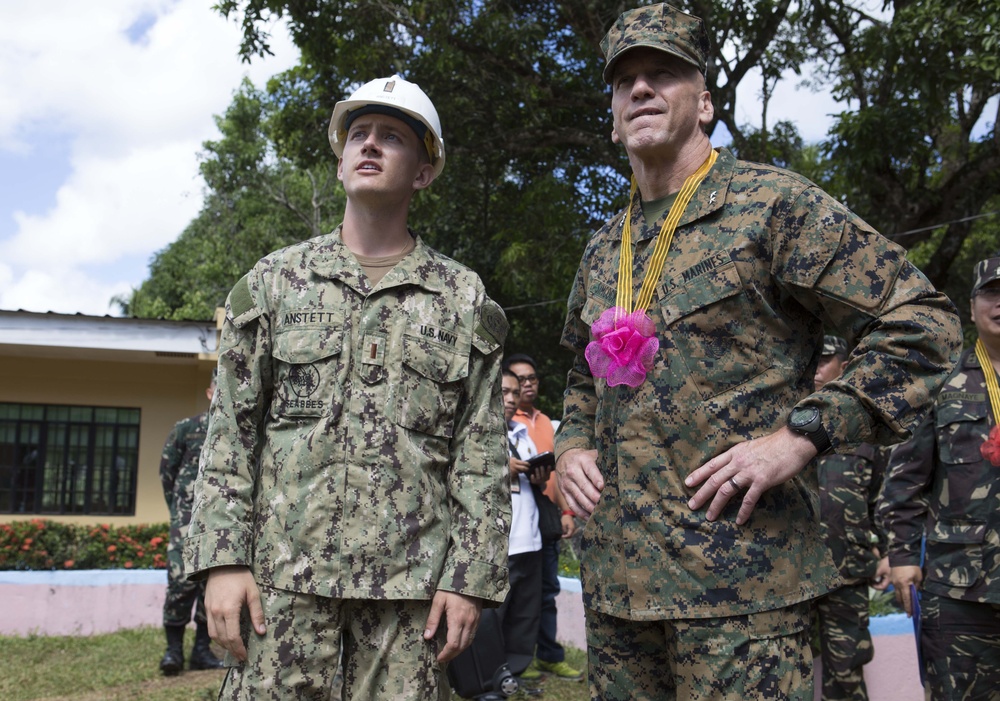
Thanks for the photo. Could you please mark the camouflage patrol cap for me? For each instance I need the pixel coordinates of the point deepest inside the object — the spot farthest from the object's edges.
(662, 27)
(834, 345)
(986, 271)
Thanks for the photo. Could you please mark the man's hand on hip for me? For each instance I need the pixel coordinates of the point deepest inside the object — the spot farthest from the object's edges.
(749, 468)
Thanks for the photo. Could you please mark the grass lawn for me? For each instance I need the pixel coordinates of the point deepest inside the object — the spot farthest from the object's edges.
(124, 666)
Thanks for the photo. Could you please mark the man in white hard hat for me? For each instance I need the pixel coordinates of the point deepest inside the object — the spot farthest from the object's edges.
(352, 496)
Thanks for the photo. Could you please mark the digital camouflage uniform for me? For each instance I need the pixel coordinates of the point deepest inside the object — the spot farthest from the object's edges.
(849, 486)
(940, 487)
(178, 472)
(356, 449)
(761, 261)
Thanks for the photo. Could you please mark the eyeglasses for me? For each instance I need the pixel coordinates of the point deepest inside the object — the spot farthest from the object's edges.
(989, 294)
(526, 379)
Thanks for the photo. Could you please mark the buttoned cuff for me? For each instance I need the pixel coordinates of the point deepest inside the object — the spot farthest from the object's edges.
(216, 548)
(483, 580)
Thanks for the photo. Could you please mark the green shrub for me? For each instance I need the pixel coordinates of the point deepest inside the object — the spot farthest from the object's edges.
(47, 545)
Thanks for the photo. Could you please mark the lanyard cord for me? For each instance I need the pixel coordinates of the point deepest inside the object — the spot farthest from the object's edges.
(623, 298)
(992, 387)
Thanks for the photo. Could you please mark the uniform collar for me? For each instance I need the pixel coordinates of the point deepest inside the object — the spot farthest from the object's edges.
(709, 197)
(331, 259)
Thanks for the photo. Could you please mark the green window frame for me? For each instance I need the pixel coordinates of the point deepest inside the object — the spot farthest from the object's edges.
(60, 459)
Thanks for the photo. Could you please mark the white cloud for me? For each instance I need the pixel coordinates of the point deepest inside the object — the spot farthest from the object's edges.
(67, 292)
(112, 207)
(136, 113)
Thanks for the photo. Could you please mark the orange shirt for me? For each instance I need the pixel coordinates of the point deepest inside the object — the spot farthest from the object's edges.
(541, 432)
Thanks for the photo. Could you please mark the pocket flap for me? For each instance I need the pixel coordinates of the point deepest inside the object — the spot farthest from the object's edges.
(960, 532)
(709, 288)
(434, 361)
(303, 346)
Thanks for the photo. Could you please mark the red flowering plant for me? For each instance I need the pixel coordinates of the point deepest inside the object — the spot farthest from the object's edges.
(47, 545)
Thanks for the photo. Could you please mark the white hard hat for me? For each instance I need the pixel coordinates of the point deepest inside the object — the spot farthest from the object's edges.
(398, 98)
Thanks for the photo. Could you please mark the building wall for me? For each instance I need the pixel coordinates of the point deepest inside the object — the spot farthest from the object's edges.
(165, 391)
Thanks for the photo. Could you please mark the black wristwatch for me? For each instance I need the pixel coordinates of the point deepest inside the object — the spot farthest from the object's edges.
(807, 421)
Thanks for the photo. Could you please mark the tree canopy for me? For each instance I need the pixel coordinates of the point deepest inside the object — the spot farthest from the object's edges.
(531, 167)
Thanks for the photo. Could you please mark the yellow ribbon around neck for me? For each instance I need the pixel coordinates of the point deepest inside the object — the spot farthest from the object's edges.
(992, 387)
(623, 299)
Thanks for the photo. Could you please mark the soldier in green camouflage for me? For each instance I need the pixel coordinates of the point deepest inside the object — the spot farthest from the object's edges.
(709, 399)
(943, 486)
(849, 485)
(178, 471)
(353, 495)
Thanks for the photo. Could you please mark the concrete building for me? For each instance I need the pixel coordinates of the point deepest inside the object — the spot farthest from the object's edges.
(86, 404)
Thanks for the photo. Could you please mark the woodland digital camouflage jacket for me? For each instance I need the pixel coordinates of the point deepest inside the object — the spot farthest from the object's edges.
(939, 483)
(761, 262)
(356, 444)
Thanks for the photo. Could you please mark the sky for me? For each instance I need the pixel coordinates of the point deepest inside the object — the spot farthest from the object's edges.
(103, 110)
(102, 115)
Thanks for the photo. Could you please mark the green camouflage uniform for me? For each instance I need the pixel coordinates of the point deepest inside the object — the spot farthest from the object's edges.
(940, 486)
(178, 471)
(356, 448)
(849, 486)
(761, 261)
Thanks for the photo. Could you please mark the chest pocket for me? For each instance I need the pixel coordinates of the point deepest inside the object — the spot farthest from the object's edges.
(961, 429)
(430, 387)
(309, 372)
(955, 552)
(711, 323)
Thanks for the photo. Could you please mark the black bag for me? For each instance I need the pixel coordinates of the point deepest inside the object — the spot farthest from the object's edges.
(549, 516)
(482, 667)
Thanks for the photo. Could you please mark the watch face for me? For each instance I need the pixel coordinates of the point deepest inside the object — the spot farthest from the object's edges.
(802, 417)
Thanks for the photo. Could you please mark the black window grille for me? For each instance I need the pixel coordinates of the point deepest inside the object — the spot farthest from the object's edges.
(68, 459)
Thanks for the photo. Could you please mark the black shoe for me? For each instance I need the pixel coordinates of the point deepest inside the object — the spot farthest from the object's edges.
(173, 658)
(204, 659)
(172, 663)
(202, 656)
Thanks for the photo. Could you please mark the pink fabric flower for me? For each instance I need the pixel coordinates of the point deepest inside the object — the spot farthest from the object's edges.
(623, 352)
(990, 449)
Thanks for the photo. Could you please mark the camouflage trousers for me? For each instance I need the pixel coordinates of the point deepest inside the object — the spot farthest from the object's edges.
(844, 641)
(379, 643)
(961, 648)
(741, 658)
(182, 595)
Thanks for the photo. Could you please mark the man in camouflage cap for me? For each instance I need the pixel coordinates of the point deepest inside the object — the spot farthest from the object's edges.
(943, 485)
(849, 486)
(178, 471)
(353, 496)
(708, 399)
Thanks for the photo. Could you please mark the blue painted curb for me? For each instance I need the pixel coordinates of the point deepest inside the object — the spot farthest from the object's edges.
(84, 578)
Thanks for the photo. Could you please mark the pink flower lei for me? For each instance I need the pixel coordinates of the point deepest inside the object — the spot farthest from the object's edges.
(990, 449)
(623, 350)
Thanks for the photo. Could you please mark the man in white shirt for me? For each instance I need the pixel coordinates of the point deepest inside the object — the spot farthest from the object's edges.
(519, 614)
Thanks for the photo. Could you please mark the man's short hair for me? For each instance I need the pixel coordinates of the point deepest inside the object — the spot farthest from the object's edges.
(986, 271)
(834, 345)
(519, 358)
(507, 372)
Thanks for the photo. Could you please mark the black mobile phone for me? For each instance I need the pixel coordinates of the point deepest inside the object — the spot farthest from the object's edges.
(544, 460)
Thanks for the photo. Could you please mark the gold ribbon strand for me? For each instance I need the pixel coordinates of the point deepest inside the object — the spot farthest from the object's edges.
(623, 297)
(992, 387)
